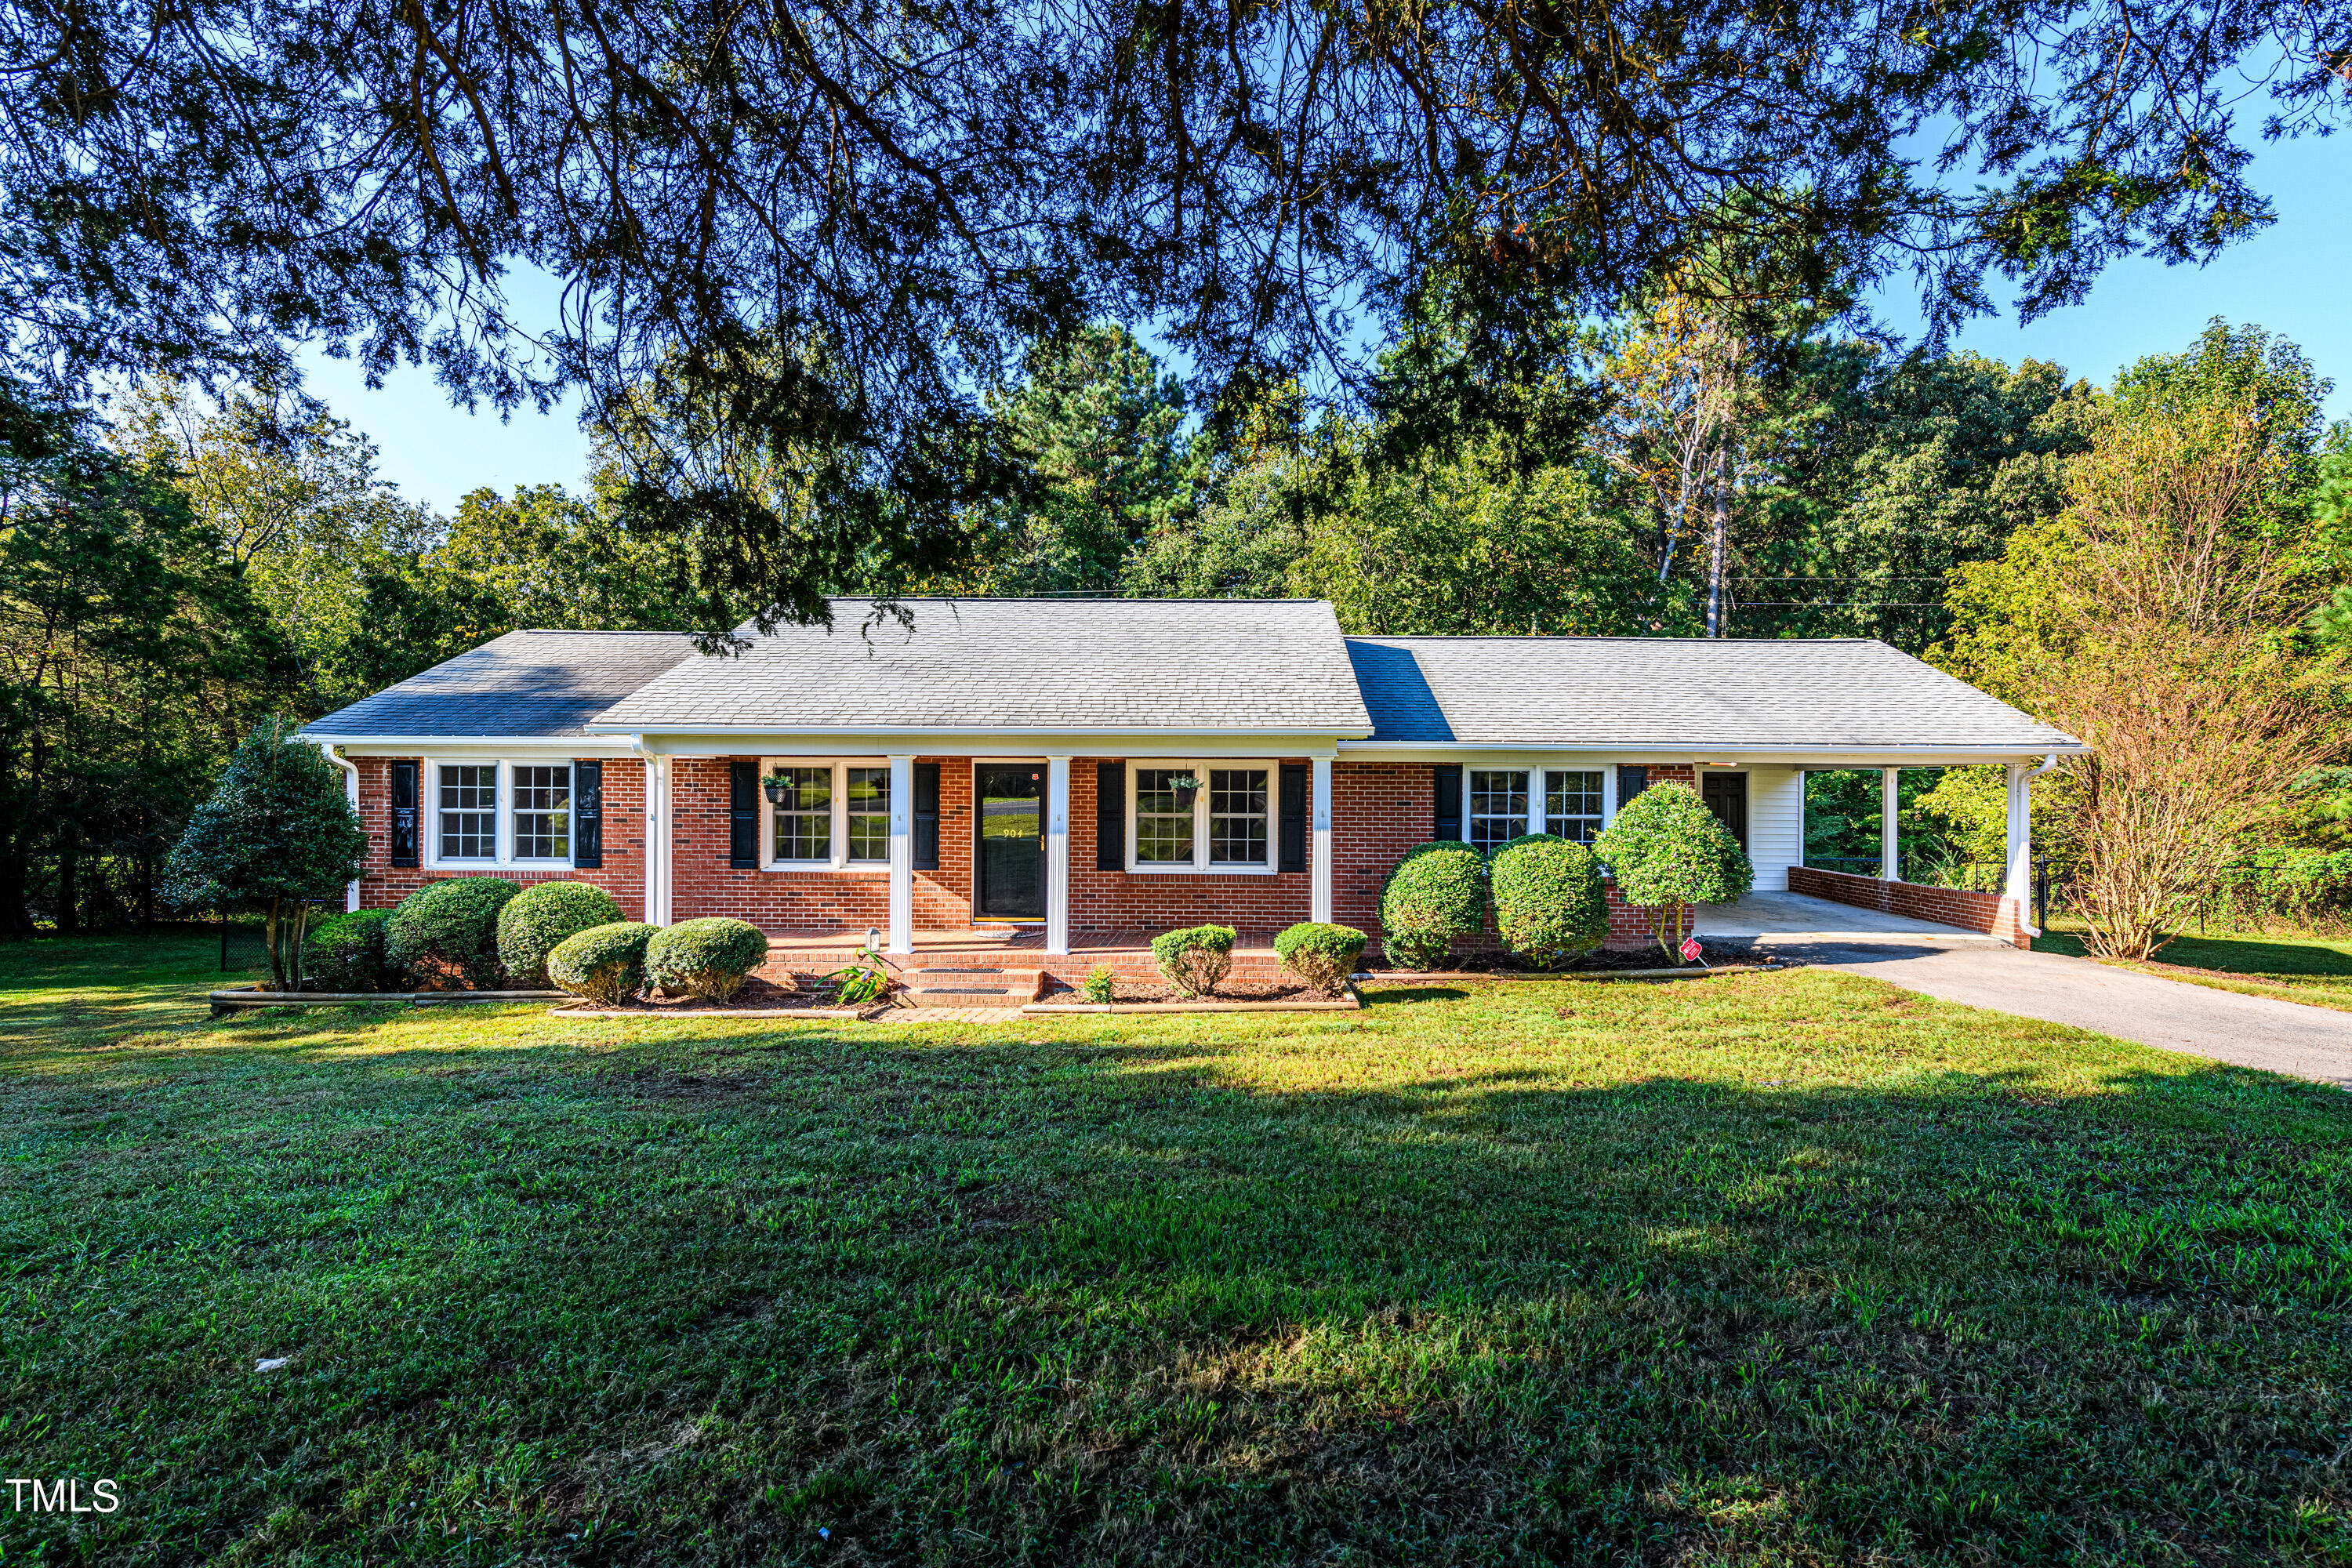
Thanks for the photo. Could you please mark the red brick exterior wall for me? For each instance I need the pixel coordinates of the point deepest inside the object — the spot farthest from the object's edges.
(1379, 810)
(623, 874)
(703, 883)
(1995, 914)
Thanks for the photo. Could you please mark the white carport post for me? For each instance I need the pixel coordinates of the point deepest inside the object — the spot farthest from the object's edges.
(902, 855)
(2017, 879)
(1890, 845)
(658, 849)
(1318, 853)
(1057, 855)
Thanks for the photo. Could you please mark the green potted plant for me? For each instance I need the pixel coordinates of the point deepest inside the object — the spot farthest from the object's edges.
(1185, 786)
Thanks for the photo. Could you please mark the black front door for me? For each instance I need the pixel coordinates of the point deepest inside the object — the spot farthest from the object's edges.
(1726, 796)
(1011, 850)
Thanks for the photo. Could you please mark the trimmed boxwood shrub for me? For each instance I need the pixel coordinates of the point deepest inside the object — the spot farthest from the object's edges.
(707, 957)
(450, 928)
(1437, 892)
(1668, 852)
(1322, 956)
(542, 915)
(605, 964)
(346, 953)
(1195, 958)
(1549, 904)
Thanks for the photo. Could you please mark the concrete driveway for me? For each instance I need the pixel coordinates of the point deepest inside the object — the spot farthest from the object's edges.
(2313, 1043)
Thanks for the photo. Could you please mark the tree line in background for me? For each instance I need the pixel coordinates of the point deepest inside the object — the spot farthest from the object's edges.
(2111, 559)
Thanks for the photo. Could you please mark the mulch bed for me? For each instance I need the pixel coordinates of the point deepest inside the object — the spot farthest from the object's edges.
(1647, 956)
(757, 996)
(1269, 991)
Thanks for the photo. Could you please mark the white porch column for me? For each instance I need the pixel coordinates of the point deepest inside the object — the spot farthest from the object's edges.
(902, 855)
(1890, 846)
(658, 841)
(1318, 853)
(2018, 879)
(1057, 855)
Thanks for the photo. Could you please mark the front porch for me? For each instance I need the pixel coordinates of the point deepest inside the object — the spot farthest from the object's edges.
(1126, 952)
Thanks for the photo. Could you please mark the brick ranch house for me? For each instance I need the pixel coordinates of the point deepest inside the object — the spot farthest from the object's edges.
(1012, 770)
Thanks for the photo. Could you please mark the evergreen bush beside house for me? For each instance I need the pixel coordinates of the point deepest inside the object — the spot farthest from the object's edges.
(1322, 956)
(605, 964)
(1436, 892)
(1194, 960)
(277, 838)
(1668, 852)
(450, 930)
(705, 958)
(1548, 902)
(543, 915)
(347, 954)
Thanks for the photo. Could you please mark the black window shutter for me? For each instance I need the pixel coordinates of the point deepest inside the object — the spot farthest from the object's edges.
(1633, 778)
(1110, 817)
(1449, 803)
(743, 815)
(926, 817)
(1294, 817)
(404, 814)
(588, 815)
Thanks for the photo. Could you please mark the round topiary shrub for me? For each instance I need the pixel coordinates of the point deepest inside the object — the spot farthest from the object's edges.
(347, 954)
(450, 930)
(1195, 958)
(1321, 955)
(605, 964)
(1437, 892)
(1668, 852)
(706, 958)
(543, 915)
(1549, 904)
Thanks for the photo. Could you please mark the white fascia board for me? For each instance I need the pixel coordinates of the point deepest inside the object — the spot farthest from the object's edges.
(450, 745)
(977, 743)
(1726, 757)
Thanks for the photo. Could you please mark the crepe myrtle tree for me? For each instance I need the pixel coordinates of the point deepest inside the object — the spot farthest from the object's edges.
(1668, 852)
(275, 837)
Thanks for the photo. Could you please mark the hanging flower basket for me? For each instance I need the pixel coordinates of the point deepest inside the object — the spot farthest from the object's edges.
(1185, 787)
(776, 786)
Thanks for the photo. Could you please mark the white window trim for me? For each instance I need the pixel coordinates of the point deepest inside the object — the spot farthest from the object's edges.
(502, 814)
(1540, 797)
(840, 860)
(1200, 866)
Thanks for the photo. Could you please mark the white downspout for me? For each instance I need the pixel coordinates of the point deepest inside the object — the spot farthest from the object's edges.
(350, 794)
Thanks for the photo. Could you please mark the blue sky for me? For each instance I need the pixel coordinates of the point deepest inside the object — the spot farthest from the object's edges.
(2292, 278)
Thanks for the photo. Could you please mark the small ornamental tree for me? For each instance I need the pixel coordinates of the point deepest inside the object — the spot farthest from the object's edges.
(1548, 906)
(275, 837)
(1668, 852)
(1437, 892)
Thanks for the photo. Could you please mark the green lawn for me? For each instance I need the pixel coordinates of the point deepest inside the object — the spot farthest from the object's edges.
(2297, 966)
(1781, 1269)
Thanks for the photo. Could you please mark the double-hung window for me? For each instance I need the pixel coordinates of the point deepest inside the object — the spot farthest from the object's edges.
(465, 809)
(1193, 816)
(543, 811)
(1572, 803)
(1498, 807)
(499, 814)
(826, 816)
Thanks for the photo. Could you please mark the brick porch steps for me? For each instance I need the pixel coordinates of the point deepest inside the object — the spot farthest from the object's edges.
(965, 986)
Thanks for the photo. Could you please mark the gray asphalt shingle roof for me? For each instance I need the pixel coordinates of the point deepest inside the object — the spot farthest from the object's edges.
(1175, 665)
(1679, 694)
(524, 683)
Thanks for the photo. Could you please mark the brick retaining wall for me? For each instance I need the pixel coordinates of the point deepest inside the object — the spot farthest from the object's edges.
(1995, 914)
